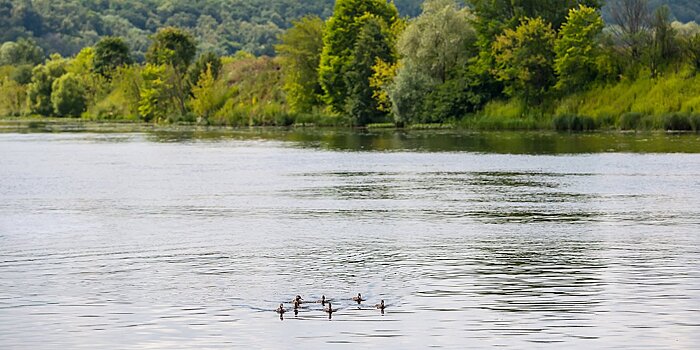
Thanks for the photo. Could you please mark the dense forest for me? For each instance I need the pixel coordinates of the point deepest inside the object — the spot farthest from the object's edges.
(221, 26)
(483, 64)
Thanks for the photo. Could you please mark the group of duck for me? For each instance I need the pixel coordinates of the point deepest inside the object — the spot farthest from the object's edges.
(326, 303)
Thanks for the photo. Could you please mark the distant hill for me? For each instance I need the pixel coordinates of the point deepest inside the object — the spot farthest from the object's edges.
(222, 26)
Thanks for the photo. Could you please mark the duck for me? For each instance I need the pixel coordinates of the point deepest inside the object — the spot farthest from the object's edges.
(330, 309)
(298, 299)
(358, 298)
(280, 310)
(380, 306)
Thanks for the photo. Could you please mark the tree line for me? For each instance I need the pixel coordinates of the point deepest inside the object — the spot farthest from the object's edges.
(454, 63)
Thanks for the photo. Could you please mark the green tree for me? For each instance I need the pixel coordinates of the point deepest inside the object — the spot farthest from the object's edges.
(68, 96)
(172, 46)
(435, 47)
(208, 95)
(300, 49)
(339, 43)
(24, 51)
(664, 48)
(40, 88)
(578, 49)
(152, 106)
(110, 53)
(524, 59)
(372, 45)
(12, 97)
(208, 60)
(174, 49)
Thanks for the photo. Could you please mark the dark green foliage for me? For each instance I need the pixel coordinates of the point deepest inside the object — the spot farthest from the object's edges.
(678, 122)
(340, 39)
(372, 44)
(574, 123)
(110, 53)
(208, 59)
(22, 74)
(172, 46)
(630, 121)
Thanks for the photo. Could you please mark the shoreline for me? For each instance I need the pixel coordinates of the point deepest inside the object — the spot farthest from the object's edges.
(42, 124)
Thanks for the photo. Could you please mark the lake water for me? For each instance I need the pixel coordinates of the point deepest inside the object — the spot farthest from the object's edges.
(172, 240)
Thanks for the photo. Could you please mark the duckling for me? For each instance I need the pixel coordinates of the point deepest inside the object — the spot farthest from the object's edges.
(280, 310)
(330, 309)
(358, 298)
(380, 306)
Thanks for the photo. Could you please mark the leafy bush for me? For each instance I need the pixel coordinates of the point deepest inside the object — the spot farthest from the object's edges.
(677, 122)
(630, 121)
(575, 123)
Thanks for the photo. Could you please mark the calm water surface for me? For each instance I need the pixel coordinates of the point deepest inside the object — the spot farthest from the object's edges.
(165, 240)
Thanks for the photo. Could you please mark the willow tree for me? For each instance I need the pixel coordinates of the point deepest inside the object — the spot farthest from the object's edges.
(339, 45)
(435, 47)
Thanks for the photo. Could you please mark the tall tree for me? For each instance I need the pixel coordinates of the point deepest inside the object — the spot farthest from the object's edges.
(632, 24)
(339, 41)
(372, 45)
(525, 59)
(300, 50)
(435, 47)
(578, 49)
(110, 53)
(664, 47)
(175, 49)
(172, 46)
(41, 86)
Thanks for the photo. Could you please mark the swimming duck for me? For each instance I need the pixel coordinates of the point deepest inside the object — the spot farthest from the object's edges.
(330, 308)
(298, 299)
(358, 298)
(280, 310)
(380, 306)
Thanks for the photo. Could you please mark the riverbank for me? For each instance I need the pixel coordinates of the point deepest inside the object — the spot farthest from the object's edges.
(375, 139)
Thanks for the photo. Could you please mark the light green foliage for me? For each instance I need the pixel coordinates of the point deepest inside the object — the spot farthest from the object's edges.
(524, 59)
(373, 44)
(578, 49)
(300, 50)
(110, 53)
(152, 103)
(255, 95)
(68, 96)
(12, 97)
(24, 51)
(40, 88)
(434, 49)
(340, 39)
(208, 95)
(122, 99)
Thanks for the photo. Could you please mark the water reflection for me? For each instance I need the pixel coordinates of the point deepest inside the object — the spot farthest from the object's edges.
(138, 241)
